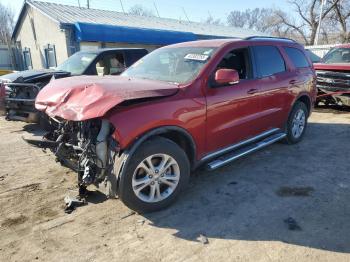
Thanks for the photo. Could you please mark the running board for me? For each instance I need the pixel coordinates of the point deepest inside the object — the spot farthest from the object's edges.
(245, 151)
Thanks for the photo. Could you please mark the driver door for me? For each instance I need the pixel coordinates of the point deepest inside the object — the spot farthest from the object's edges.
(233, 111)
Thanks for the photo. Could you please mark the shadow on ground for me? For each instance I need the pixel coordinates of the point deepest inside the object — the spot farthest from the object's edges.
(242, 201)
(336, 109)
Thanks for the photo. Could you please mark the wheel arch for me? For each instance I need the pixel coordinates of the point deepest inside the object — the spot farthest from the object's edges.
(174, 133)
(304, 98)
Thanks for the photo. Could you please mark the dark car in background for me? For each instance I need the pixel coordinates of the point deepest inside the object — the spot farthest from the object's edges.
(19, 90)
(333, 76)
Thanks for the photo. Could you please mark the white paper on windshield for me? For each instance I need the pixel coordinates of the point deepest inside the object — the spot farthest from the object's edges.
(197, 57)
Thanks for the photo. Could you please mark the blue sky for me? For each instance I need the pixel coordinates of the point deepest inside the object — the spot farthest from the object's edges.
(196, 10)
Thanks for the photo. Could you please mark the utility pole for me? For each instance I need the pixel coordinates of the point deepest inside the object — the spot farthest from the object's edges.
(88, 4)
(155, 6)
(121, 3)
(183, 9)
(319, 23)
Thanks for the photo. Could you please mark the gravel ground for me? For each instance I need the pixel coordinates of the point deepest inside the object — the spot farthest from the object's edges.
(284, 203)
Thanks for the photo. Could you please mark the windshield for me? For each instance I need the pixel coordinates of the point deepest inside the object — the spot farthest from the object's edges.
(77, 63)
(337, 55)
(177, 65)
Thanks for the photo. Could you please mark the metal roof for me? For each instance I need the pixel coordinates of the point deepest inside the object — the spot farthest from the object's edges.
(66, 14)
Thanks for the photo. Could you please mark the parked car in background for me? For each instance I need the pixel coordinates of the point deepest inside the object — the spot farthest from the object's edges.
(333, 76)
(314, 58)
(19, 90)
(180, 106)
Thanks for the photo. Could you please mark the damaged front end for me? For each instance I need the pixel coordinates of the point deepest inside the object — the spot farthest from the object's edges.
(86, 147)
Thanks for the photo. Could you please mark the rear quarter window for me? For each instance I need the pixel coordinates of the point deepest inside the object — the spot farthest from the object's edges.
(297, 57)
(268, 60)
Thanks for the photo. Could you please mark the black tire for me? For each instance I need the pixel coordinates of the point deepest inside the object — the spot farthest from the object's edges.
(156, 145)
(291, 138)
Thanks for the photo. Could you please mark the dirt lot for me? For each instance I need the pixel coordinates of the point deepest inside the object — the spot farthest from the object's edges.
(242, 208)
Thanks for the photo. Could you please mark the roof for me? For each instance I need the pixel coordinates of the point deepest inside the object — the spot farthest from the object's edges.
(66, 14)
(206, 43)
(343, 45)
(221, 42)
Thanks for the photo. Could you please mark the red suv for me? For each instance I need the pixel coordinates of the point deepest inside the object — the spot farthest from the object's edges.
(140, 134)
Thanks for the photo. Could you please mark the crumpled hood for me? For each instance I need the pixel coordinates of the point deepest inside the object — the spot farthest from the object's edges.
(85, 97)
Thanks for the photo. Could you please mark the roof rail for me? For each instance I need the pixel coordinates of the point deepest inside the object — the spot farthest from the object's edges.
(268, 37)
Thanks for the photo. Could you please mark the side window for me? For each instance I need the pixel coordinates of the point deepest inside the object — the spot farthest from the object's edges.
(237, 59)
(268, 60)
(112, 64)
(298, 58)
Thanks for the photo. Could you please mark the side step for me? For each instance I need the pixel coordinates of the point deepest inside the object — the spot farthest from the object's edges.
(245, 151)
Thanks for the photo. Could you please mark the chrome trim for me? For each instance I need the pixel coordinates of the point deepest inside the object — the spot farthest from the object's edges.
(20, 100)
(237, 145)
(218, 163)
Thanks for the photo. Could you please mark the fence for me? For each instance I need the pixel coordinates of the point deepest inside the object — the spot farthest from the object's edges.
(320, 50)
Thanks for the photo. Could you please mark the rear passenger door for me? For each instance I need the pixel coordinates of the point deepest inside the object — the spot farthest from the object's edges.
(303, 74)
(274, 80)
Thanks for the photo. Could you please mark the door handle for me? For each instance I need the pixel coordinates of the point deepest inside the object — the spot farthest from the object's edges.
(252, 91)
(292, 82)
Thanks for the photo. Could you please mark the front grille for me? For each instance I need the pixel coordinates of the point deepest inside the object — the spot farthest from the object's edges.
(334, 81)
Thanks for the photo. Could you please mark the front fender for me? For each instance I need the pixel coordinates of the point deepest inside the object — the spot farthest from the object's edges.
(133, 122)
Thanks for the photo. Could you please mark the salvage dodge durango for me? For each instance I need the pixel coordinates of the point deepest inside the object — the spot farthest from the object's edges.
(182, 106)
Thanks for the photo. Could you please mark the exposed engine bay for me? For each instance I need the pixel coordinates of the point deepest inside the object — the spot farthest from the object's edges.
(86, 147)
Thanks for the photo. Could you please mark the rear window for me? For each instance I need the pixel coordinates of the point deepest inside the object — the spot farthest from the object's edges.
(298, 58)
(268, 60)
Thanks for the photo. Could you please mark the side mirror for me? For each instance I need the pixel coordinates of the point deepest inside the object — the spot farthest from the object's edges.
(226, 76)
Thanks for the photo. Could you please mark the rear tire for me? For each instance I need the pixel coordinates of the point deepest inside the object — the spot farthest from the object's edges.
(154, 176)
(297, 123)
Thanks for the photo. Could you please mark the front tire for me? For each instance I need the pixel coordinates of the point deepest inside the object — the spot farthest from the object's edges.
(154, 176)
(297, 123)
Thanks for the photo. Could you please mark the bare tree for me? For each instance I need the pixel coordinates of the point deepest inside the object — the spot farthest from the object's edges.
(212, 21)
(6, 29)
(140, 10)
(341, 16)
(308, 17)
(7, 24)
(259, 19)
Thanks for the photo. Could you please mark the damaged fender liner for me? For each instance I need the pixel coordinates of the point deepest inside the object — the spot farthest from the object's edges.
(86, 97)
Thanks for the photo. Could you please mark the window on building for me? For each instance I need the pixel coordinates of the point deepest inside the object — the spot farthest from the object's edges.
(298, 58)
(50, 56)
(268, 60)
(27, 58)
